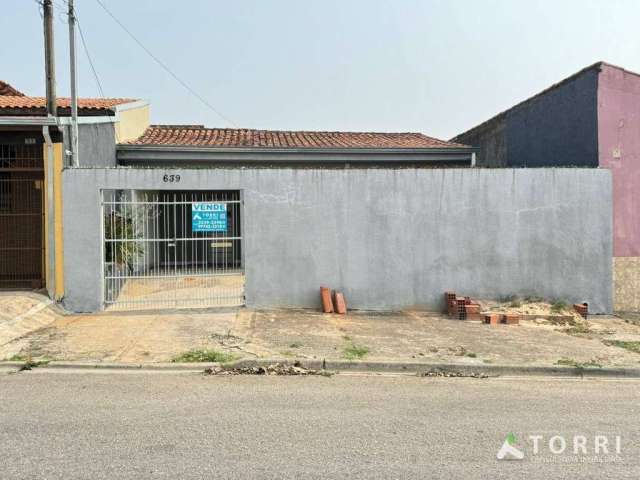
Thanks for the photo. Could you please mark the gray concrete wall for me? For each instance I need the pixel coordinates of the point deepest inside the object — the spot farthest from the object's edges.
(96, 144)
(388, 238)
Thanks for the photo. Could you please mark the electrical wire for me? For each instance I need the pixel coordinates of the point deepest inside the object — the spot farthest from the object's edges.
(86, 52)
(93, 68)
(165, 67)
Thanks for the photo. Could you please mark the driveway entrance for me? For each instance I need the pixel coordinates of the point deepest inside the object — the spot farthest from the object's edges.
(172, 249)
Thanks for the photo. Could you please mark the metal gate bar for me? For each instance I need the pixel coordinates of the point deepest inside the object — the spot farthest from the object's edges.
(153, 257)
(21, 232)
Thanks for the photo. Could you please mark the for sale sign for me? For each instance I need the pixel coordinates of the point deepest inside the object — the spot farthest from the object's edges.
(209, 217)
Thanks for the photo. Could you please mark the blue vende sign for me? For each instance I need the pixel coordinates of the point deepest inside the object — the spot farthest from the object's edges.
(209, 217)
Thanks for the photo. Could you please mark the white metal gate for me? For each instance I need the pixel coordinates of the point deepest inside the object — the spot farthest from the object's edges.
(172, 249)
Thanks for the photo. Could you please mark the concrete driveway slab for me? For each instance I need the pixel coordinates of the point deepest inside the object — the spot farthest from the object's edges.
(22, 313)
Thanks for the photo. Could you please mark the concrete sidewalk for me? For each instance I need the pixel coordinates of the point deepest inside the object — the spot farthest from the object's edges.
(411, 336)
(24, 313)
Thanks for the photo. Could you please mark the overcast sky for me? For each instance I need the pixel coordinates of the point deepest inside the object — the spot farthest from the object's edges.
(433, 66)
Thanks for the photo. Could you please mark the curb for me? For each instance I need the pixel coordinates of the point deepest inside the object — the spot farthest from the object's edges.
(349, 366)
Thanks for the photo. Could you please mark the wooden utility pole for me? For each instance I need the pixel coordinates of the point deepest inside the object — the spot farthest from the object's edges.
(74, 80)
(49, 57)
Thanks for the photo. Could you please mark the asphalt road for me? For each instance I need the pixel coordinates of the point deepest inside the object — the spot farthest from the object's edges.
(134, 425)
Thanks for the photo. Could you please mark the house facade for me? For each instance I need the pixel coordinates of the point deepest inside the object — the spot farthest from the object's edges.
(591, 119)
(173, 216)
(33, 154)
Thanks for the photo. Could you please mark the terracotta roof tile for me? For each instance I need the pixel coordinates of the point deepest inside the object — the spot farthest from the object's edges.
(198, 136)
(23, 105)
(6, 89)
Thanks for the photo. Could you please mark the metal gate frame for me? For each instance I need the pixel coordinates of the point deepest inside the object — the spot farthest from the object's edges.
(22, 215)
(152, 258)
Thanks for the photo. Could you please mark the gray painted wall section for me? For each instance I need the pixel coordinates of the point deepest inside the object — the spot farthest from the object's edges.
(388, 238)
(96, 144)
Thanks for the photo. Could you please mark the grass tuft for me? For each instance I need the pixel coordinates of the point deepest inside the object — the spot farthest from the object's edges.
(196, 356)
(533, 299)
(570, 362)
(627, 345)
(18, 357)
(578, 329)
(355, 352)
(558, 306)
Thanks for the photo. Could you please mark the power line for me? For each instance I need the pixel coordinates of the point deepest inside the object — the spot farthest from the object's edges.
(165, 67)
(93, 68)
(86, 51)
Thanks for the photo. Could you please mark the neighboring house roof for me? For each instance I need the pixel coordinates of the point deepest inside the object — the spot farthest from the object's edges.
(596, 66)
(6, 89)
(195, 144)
(36, 106)
(199, 136)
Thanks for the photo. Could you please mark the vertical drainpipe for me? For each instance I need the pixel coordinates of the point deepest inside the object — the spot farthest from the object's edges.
(473, 159)
(50, 274)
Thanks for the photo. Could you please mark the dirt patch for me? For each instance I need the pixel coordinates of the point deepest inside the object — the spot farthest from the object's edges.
(540, 311)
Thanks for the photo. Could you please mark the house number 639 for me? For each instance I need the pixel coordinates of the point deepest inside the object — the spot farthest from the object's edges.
(170, 178)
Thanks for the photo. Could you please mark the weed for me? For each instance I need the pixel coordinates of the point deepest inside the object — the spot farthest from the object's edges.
(295, 345)
(515, 304)
(28, 362)
(558, 306)
(195, 356)
(346, 337)
(354, 352)
(533, 299)
(627, 345)
(570, 362)
(566, 361)
(19, 358)
(578, 329)
(471, 355)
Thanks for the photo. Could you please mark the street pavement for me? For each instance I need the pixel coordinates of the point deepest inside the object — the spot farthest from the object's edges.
(166, 425)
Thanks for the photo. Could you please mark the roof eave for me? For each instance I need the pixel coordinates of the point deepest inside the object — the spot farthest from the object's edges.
(165, 154)
(280, 150)
(27, 121)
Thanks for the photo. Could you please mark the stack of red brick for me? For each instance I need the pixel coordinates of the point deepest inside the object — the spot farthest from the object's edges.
(498, 318)
(465, 308)
(462, 308)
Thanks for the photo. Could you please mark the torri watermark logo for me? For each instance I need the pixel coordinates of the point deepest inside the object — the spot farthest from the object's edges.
(562, 449)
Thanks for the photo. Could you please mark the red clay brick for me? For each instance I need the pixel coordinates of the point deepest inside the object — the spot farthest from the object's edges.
(492, 318)
(339, 304)
(325, 296)
(512, 318)
(582, 309)
(473, 312)
(460, 310)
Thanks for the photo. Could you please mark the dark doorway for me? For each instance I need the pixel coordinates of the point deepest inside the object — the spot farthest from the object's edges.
(21, 216)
